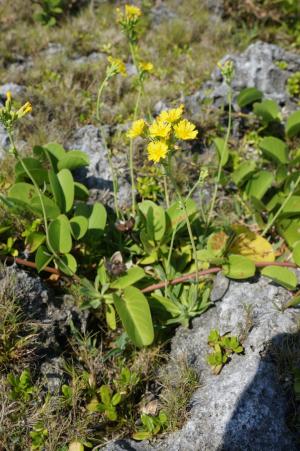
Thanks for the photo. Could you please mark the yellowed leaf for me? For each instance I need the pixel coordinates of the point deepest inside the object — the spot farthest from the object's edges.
(251, 245)
(76, 446)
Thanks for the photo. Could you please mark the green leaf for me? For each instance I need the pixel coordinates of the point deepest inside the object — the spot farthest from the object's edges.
(282, 276)
(56, 189)
(177, 216)
(105, 394)
(291, 208)
(81, 191)
(243, 172)
(34, 167)
(289, 229)
(116, 399)
(110, 315)
(296, 254)
(292, 127)
(67, 185)
(73, 159)
(142, 435)
(60, 235)
(135, 315)
(239, 267)
(79, 226)
(259, 184)
(267, 110)
(97, 219)
(34, 240)
(52, 210)
(67, 264)
(275, 149)
(22, 191)
(222, 150)
(133, 275)
(248, 96)
(165, 303)
(155, 220)
(42, 258)
(56, 150)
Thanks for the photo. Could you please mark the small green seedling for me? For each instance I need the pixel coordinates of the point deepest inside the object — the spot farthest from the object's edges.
(151, 426)
(108, 403)
(223, 347)
(38, 436)
(21, 388)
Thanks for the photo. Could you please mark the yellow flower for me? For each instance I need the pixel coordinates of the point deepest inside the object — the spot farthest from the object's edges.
(136, 129)
(146, 67)
(132, 12)
(185, 130)
(8, 96)
(118, 65)
(157, 151)
(25, 109)
(171, 115)
(160, 129)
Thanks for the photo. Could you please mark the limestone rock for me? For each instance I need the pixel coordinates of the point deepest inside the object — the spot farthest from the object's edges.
(98, 176)
(245, 406)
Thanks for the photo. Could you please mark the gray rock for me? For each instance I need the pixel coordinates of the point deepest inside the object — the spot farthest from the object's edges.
(53, 49)
(257, 66)
(93, 57)
(4, 141)
(220, 286)
(16, 90)
(245, 406)
(161, 13)
(51, 314)
(53, 372)
(98, 176)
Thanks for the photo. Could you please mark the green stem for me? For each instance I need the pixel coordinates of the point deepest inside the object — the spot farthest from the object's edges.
(108, 151)
(269, 225)
(166, 190)
(188, 223)
(212, 205)
(131, 166)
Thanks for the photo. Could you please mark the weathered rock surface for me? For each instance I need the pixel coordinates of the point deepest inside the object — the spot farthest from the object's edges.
(257, 66)
(98, 176)
(245, 406)
(51, 314)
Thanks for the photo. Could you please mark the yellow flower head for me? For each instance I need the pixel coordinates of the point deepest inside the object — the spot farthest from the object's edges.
(25, 109)
(171, 115)
(118, 65)
(132, 12)
(136, 129)
(160, 129)
(146, 67)
(8, 96)
(157, 151)
(185, 130)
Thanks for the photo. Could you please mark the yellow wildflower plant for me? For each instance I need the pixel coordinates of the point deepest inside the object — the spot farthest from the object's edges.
(117, 66)
(185, 130)
(172, 115)
(157, 150)
(132, 12)
(146, 67)
(137, 129)
(160, 129)
(8, 117)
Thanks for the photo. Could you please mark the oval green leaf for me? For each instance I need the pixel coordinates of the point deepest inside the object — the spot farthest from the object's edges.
(79, 226)
(67, 264)
(133, 275)
(134, 311)
(222, 150)
(282, 276)
(292, 127)
(42, 258)
(248, 96)
(67, 185)
(97, 219)
(73, 159)
(239, 267)
(259, 184)
(60, 235)
(296, 254)
(274, 149)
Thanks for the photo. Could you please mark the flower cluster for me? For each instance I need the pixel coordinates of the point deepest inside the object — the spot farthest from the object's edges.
(8, 116)
(163, 132)
(117, 66)
(128, 19)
